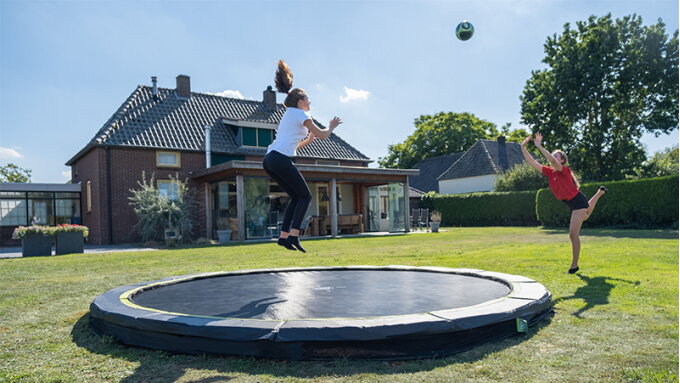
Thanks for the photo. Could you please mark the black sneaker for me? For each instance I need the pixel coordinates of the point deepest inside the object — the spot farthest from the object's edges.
(574, 270)
(604, 189)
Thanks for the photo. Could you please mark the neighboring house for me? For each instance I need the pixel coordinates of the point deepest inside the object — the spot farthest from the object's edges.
(430, 170)
(477, 169)
(217, 143)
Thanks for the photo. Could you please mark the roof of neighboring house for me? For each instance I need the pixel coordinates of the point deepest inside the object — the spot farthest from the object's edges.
(176, 123)
(485, 157)
(430, 170)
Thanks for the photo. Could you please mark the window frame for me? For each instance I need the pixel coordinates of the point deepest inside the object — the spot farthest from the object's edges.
(178, 155)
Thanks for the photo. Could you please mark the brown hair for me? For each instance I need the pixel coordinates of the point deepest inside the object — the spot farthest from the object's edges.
(565, 161)
(283, 79)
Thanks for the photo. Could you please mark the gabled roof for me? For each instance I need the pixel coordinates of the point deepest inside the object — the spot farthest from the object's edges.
(176, 123)
(430, 170)
(485, 157)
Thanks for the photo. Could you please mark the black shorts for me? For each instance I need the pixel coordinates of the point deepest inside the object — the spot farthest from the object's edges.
(578, 202)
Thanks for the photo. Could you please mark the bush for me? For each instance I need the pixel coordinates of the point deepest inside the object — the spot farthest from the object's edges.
(484, 208)
(21, 231)
(644, 203)
(66, 228)
(522, 177)
(157, 212)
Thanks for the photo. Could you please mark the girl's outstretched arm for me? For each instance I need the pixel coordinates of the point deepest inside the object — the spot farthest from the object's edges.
(528, 156)
(538, 140)
(322, 133)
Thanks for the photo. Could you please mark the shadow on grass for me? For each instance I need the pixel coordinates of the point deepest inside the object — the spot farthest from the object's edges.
(163, 366)
(595, 292)
(618, 233)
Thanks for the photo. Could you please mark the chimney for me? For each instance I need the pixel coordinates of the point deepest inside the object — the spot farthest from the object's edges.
(183, 86)
(502, 154)
(208, 162)
(154, 81)
(269, 98)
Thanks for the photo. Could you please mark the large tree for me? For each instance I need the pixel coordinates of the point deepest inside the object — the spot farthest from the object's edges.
(13, 173)
(607, 82)
(437, 135)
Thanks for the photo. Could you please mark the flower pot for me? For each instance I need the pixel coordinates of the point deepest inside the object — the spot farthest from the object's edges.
(223, 236)
(69, 242)
(434, 226)
(35, 244)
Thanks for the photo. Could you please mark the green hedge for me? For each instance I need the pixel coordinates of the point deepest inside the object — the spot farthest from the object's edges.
(645, 203)
(485, 209)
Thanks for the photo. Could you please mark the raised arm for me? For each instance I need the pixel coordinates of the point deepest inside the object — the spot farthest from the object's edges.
(528, 156)
(538, 141)
(322, 133)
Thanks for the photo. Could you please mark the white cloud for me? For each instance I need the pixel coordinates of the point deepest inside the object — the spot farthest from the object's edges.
(354, 94)
(9, 154)
(66, 174)
(230, 93)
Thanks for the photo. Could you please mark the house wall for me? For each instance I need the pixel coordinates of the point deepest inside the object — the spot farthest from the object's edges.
(467, 184)
(127, 166)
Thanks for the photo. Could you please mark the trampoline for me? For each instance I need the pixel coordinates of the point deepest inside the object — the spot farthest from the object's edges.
(362, 312)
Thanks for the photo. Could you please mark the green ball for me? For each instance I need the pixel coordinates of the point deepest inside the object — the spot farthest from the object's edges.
(464, 30)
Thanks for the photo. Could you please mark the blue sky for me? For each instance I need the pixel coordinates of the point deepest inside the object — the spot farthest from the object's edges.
(66, 66)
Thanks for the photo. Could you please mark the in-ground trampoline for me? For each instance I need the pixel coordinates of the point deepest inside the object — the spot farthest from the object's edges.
(387, 312)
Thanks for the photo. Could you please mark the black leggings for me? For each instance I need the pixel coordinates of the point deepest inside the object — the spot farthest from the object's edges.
(281, 168)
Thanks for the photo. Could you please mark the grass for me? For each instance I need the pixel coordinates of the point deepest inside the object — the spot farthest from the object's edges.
(616, 321)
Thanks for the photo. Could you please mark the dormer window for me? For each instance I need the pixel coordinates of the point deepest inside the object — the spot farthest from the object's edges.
(258, 137)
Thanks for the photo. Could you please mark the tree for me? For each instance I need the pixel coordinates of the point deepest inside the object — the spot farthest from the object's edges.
(13, 173)
(663, 163)
(157, 212)
(521, 177)
(443, 133)
(608, 82)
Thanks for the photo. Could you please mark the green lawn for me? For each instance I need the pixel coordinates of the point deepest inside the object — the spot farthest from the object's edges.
(616, 321)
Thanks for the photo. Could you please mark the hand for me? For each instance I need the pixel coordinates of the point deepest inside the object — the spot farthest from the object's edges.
(538, 139)
(526, 141)
(334, 123)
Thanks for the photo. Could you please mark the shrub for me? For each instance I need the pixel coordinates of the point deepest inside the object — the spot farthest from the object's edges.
(522, 177)
(157, 212)
(644, 203)
(484, 208)
(66, 228)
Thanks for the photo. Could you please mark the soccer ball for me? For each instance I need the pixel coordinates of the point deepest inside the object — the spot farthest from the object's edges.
(464, 30)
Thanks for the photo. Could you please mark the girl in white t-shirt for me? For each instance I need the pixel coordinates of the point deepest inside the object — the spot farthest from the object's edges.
(296, 129)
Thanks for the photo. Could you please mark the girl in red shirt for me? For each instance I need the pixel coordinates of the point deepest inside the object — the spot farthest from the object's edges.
(565, 187)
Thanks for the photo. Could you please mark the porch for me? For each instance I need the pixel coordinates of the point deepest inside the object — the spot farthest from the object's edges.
(241, 199)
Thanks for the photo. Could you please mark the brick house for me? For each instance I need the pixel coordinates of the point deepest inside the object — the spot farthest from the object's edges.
(218, 143)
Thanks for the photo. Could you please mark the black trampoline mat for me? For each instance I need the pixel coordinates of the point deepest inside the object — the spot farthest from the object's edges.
(322, 294)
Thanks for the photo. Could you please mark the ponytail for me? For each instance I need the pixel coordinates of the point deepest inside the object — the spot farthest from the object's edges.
(283, 79)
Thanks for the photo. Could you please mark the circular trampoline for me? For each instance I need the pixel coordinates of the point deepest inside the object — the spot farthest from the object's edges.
(364, 312)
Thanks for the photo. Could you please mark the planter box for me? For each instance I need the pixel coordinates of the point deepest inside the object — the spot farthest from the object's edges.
(435, 227)
(33, 245)
(69, 242)
(223, 236)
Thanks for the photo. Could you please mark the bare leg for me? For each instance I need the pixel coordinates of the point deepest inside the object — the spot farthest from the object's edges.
(283, 235)
(577, 218)
(592, 203)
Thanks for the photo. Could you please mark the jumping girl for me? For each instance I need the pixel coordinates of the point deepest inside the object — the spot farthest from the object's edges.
(565, 187)
(295, 130)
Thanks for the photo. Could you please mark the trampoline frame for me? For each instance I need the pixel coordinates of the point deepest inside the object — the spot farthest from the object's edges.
(406, 336)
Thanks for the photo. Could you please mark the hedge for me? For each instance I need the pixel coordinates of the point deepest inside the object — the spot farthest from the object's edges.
(645, 203)
(484, 208)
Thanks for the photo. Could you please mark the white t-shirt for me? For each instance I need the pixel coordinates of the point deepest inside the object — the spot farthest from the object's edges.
(290, 132)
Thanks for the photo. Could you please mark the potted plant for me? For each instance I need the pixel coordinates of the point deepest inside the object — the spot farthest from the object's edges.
(223, 230)
(70, 238)
(435, 220)
(35, 240)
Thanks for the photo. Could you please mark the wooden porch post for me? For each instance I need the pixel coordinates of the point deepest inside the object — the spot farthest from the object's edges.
(334, 208)
(240, 208)
(407, 206)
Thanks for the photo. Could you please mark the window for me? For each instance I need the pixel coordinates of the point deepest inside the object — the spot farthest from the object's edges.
(256, 137)
(168, 189)
(168, 159)
(88, 195)
(328, 163)
(13, 212)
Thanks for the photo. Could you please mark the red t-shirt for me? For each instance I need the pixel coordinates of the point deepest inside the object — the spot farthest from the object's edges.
(561, 183)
